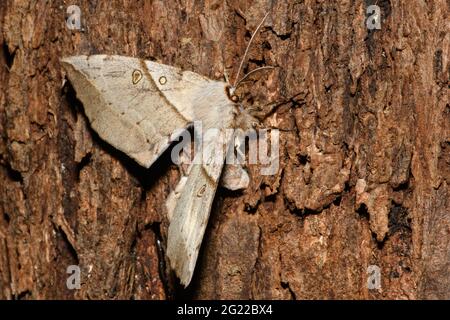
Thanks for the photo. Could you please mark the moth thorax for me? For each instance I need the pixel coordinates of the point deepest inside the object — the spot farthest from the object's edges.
(231, 95)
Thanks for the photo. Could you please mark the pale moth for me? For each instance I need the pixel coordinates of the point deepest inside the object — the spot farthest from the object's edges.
(139, 106)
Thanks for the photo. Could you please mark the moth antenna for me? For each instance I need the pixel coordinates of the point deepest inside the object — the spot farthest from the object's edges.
(248, 47)
(250, 73)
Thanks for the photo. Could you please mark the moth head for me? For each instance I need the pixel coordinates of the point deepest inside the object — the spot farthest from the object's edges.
(230, 91)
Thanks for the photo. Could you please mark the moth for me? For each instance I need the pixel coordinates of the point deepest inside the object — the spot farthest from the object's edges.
(138, 106)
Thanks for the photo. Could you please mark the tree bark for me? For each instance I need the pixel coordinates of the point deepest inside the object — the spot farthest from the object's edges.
(364, 153)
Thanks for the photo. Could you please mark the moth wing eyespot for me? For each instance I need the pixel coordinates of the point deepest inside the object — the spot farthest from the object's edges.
(136, 76)
(201, 191)
(162, 80)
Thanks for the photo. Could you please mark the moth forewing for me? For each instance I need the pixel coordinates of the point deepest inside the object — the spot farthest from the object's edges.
(190, 216)
(125, 105)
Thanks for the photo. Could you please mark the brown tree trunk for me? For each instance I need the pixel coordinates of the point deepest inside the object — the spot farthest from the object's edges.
(364, 155)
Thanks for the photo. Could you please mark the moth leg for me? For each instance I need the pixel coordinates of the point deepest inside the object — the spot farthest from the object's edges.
(185, 161)
(234, 177)
(262, 112)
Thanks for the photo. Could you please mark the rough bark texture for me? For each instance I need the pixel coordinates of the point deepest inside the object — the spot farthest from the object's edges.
(364, 160)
